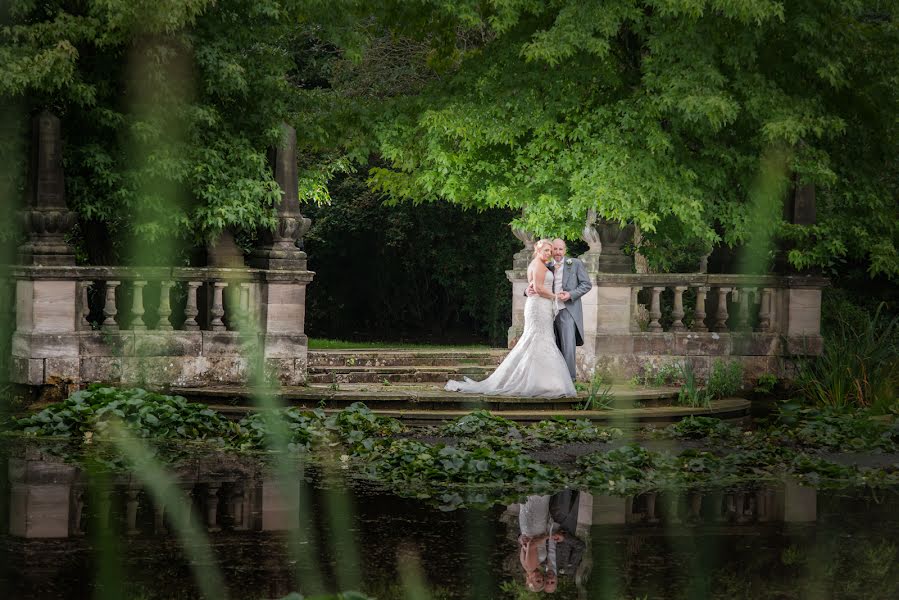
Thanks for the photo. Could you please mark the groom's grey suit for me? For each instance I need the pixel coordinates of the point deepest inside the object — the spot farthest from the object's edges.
(569, 323)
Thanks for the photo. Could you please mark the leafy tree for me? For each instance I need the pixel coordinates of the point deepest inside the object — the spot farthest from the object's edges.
(169, 108)
(689, 118)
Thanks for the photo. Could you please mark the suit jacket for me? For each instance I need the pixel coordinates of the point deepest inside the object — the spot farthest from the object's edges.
(563, 508)
(576, 282)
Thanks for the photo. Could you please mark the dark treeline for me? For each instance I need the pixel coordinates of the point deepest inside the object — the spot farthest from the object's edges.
(426, 273)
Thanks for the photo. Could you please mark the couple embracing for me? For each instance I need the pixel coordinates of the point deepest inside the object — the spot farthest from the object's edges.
(542, 363)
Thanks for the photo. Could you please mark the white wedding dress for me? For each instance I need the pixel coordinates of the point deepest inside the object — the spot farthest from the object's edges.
(535, 367)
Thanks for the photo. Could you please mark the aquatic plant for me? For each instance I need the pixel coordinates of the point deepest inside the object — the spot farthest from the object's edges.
(146, 414)
(690, 394)
(859, 366)
(698, 427)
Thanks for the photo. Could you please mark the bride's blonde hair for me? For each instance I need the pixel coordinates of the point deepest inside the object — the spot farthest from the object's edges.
(538, 247)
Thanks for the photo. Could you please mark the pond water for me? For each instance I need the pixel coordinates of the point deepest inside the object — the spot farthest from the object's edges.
(64, 534)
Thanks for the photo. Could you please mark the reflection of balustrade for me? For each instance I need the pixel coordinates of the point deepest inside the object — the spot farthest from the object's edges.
(788, 503)
(52, 500)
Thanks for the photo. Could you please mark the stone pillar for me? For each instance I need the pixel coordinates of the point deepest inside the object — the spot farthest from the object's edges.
(46, 218)
(45, 346)
(517, 276)
(283, 293)
(803, 318)
(278, 249)
(609, 306)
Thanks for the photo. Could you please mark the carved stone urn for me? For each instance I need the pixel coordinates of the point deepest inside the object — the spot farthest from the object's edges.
(46, 218)
(606, 240)
(521, 258)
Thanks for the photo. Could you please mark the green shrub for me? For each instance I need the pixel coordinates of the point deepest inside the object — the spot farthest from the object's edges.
(766, 383)
(726, 379)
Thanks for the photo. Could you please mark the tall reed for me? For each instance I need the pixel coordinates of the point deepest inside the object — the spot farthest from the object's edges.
(859, 367)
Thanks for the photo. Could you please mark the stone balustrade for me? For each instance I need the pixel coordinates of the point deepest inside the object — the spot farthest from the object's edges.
(637, 321)
(165, 326)
(173, 326)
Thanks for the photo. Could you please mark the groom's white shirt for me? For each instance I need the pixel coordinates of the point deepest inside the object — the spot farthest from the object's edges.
(558, 277)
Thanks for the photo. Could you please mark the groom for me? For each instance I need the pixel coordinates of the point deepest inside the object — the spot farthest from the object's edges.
(571, 282)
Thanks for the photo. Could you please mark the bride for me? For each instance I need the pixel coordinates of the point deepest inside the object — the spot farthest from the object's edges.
(534, 367)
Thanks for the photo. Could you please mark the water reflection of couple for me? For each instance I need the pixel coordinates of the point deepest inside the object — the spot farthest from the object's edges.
(548, 545)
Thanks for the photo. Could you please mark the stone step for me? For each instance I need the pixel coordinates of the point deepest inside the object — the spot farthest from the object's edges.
(391, 378)
(727, 408)
(387, 357)
(407, 374)
(430, 398)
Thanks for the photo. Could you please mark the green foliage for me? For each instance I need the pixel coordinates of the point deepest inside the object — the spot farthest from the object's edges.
(168, 110)
(689, 119)
(690, 394)
(481, 422)
(699, 427)
(765, 384)
(145, 414)
(565, 431)
(858, 368)
(835, 431)
(726, 379)
(481, 426)
(599, 397)
(664, 374)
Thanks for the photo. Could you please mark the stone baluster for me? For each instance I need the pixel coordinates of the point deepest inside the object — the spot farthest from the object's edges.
(85, 303)
(673, 512)
(244, 303)
(699, 313)
(235, 314)
(741, 508)
(651, 508)
(635, 308)
(218, 307)
(212, 507)
(137, 307)
(238, 518)
(190, 308)
(159, 519)
(678, 311)
(165, 307)
(721, 315)
(109, 307)
(655, 310)
(131, 506)
(78, 513)
(744, 299)
(104, 508)
(765, 310)
(695, 506)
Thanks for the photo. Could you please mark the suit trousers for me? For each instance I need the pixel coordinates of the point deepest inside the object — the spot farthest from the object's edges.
(566, 339)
